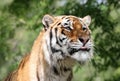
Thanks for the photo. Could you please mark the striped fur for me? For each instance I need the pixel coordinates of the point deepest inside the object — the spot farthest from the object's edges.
(64, 41)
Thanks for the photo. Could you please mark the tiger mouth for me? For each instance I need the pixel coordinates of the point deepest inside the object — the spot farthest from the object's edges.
(73, 50)
(84, 49)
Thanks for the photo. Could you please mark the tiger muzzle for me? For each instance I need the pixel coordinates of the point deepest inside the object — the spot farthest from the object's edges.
(73, 50)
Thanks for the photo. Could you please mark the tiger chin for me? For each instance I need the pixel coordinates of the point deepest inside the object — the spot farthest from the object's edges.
(63, 41)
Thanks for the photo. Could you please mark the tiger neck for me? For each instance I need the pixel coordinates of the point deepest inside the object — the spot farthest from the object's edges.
(58, 68)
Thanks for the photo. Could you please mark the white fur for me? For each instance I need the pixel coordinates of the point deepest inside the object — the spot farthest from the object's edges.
(83, 55)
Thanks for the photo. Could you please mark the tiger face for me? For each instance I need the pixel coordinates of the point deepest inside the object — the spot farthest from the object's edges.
(69, 36)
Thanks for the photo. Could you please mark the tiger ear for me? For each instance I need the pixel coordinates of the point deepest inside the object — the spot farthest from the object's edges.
(87, 20)
(47, 20)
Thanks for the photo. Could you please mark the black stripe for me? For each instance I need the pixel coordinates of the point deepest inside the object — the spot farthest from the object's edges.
(63, 32)
(53, 49)
(61, 40)
(51, 36)
(66, 69)
(55, 70)
(38, 78)
(57, 38)
(58, 43)
(68, 28)
(57, 50)
(58, 23)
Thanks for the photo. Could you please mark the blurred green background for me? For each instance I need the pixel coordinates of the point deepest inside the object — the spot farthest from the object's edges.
(20, 23)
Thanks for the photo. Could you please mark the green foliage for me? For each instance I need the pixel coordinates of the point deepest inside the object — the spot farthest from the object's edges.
(20, 23)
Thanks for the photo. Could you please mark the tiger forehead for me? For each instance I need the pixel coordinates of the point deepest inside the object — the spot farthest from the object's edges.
(75, 21)
(71, 18)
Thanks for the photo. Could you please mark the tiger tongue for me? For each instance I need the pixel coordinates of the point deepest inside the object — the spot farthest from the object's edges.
(84, 49)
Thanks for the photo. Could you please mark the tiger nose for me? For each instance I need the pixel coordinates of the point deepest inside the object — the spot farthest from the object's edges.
(83, 40)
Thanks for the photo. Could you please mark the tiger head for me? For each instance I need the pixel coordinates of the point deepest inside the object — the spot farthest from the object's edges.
(69, 37)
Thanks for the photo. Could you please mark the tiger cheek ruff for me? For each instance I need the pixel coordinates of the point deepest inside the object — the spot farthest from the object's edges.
(63, 41)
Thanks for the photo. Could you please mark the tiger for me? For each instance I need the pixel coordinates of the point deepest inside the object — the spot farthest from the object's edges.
(64, 41)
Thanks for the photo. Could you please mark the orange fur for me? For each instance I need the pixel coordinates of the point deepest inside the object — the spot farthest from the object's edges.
(35, 58)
